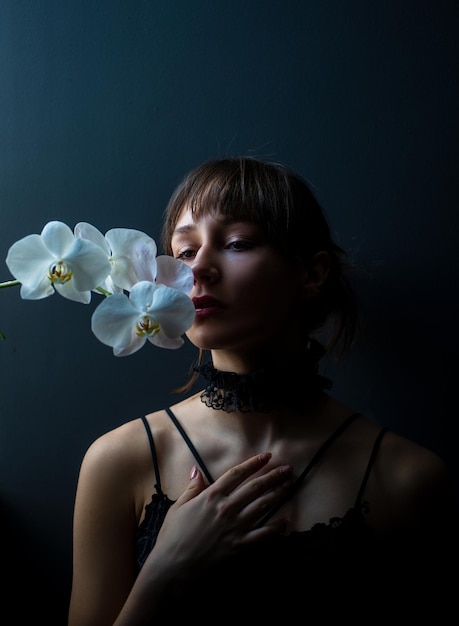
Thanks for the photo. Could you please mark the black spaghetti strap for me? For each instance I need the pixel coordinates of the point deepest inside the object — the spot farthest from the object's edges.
(153, 453)
(193, 450)
(347, 422)
(371, 460)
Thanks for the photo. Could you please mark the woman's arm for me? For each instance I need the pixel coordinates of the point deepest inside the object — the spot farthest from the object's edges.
(103, 535)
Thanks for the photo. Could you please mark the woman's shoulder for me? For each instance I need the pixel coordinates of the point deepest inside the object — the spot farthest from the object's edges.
(411, 464)
(123, 445)
(415, 481)
(402, 464)
(117, 466)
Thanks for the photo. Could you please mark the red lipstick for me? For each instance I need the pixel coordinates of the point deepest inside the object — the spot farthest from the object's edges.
(206, 305)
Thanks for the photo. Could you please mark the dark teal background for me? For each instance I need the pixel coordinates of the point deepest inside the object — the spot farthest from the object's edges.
(105, 104)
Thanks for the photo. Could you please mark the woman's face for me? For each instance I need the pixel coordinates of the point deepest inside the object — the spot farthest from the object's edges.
(245, 293)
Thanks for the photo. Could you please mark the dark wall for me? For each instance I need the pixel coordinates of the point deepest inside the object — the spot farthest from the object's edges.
(105, 104)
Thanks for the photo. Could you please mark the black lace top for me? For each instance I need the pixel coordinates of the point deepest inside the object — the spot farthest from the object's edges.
(301, 562)
(334, 572)
(322, 536)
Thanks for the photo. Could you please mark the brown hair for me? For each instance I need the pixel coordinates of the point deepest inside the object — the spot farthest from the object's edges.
(282, 203)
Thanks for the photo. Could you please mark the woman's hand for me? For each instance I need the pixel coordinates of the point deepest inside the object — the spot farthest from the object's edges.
(205, 524)
(208, 523)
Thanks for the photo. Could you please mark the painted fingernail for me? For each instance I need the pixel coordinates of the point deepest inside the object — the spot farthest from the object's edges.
(286, 469)
(264, 457)
(194, 472)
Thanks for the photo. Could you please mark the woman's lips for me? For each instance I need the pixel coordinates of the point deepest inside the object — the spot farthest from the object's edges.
(205, 305)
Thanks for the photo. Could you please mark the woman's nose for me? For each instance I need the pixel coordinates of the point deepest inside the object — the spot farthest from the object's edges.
(205, 267)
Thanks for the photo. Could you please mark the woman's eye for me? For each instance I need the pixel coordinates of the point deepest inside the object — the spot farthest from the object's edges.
(188, 254)
(240, 244)
(185, 255)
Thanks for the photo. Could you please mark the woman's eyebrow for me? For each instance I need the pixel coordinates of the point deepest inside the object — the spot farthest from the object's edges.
(183, 230)
(223, 220)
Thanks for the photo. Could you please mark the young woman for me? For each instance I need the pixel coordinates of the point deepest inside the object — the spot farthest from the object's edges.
(260, 496)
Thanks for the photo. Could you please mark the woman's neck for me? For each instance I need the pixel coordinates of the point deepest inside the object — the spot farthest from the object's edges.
(293, 381)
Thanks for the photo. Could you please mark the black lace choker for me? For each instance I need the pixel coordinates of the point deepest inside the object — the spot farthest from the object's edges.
(295, 383)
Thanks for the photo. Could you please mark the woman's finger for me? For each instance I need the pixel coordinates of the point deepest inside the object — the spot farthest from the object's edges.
(236, 475)
(252, 500)
(194, 487)
(262, 487)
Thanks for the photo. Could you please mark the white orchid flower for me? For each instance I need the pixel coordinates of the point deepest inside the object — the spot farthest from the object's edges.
(153, 312)
(161, 269)
(56, 260)
(121, 246)
(77, 263)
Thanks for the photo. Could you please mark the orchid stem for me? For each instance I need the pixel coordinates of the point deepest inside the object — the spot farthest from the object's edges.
(10, 283)
(103, 291)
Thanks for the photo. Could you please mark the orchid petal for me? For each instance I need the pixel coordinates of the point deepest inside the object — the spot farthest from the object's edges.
(123, 240)
(173, 309)
(84, 230)
(58, 238)
(124, 244)
(174, 273)
(161, 341)
(28, 260)
(142, 294)
(42, 289)
(109, 286)
(69, 291)
(136, 343)
(123, 274)
(113, 320)
(89, 264)
(144, 260)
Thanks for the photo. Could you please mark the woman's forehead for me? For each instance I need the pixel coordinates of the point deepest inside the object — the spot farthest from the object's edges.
(189, 217)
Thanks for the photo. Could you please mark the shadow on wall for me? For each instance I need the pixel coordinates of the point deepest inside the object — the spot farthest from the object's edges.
(29, 572)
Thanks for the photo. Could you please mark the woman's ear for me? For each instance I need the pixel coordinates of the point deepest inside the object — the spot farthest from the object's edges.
(316, 275)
